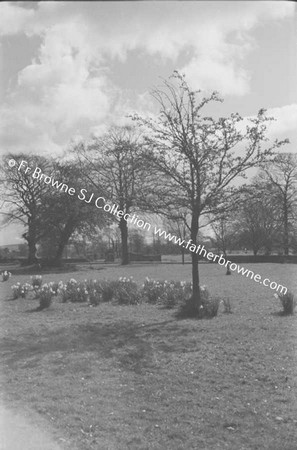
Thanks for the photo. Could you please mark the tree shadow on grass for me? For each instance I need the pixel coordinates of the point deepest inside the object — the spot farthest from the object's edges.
(37, 309)
(281, 314)
(118, 340)
(128, 343)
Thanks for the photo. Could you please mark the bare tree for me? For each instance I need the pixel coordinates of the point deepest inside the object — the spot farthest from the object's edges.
(67, 214)
(23, 198)
(282, 175)
(224, 237)
(177, 226)
(256, 220)
(199, 157)
(115, 167)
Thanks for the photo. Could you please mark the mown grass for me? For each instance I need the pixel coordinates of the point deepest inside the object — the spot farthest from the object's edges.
(134, 377)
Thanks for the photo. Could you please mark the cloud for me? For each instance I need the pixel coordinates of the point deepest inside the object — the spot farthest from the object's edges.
(286, 119)
(14, 18)
(66, 90)
(203, 74)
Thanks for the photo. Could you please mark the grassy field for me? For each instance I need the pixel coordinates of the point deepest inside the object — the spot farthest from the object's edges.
(135, 377)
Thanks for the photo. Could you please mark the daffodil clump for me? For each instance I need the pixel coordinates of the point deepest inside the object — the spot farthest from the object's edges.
(46, 294)
(124, 291)
(288, 302)
(20, 290)
(5, 275)
(73, 291)
(167, 293)
(36, 281)
(209, 305)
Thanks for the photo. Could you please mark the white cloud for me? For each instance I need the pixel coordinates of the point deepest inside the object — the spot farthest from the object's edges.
(203, 74)
(286, 119)
(66, 90)
(14, 18)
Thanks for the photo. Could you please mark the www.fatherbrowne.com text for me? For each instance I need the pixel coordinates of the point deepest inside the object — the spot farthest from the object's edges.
(101, 203)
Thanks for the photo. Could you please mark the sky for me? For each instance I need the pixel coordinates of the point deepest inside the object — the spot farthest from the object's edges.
(71, 69)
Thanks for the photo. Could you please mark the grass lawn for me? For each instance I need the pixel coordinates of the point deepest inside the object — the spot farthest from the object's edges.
(135, 377)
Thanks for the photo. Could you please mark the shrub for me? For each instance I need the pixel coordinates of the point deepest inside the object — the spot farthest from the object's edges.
(46, 294)
(5, 275)
(36, 280)
(288, 302)
(126, 291)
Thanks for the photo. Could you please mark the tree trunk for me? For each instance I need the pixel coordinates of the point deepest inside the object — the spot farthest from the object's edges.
(32, 251)
(59, 253)
(65, 236)
(124, 239)
(31, 240)
(195, 281)
(228, 271)
(196, 298)
(286, 230)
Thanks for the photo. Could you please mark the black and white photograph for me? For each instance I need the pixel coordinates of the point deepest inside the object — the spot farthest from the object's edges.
(148, 225)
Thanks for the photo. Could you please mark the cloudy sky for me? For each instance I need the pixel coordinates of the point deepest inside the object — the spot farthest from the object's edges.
(69, 69)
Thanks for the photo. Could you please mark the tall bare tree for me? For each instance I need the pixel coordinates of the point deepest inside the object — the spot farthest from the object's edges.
(67, 214)
(23, 198)
(199, 157)
(281, 173)
(224, 237)
(115, 168)
(177, 226)
(257, 219)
